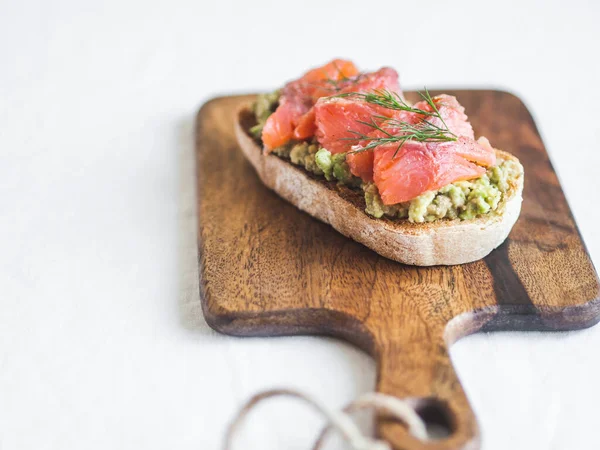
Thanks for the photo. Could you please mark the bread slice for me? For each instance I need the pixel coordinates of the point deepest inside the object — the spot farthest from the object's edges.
(442, 242)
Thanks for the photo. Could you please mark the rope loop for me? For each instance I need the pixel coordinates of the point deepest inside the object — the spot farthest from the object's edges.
(340, 420)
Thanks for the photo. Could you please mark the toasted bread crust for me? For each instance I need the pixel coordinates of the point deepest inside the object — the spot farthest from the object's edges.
(442, 242)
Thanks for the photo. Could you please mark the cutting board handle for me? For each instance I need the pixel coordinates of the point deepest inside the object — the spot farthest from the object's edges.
(414, 365)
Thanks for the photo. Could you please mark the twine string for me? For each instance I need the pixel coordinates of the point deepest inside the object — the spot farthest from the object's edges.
(341, 421)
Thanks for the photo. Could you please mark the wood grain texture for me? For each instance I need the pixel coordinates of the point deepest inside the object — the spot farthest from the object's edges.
(269, 269)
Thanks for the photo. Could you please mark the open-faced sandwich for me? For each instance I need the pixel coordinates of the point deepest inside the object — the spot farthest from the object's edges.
(409, 181)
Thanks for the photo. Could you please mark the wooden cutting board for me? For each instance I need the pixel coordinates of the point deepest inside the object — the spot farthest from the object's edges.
(268, 269)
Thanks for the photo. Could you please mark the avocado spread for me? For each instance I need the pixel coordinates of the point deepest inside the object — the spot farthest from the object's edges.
(319, 161)
(460, 200)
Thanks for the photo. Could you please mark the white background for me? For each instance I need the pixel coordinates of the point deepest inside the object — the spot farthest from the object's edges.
(102, 343)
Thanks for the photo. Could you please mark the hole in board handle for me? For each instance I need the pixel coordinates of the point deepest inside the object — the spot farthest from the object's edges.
(436, 416)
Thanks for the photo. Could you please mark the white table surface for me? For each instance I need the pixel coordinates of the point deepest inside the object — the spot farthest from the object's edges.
(102, 342)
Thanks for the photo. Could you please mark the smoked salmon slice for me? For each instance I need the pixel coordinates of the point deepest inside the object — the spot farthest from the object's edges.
(295, 117)
(480, 151)
(306, 127)
(419, 167)
(340, 122)
(404, 176)
(361, 164)
(279, 127)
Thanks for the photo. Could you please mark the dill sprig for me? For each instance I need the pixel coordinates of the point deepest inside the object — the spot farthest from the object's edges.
(398, 131)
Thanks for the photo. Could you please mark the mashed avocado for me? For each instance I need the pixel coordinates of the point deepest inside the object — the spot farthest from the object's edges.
(376, 208)
(263, 107)
(336, 167)
(463, 200)
(304, 154)
(319, 161)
